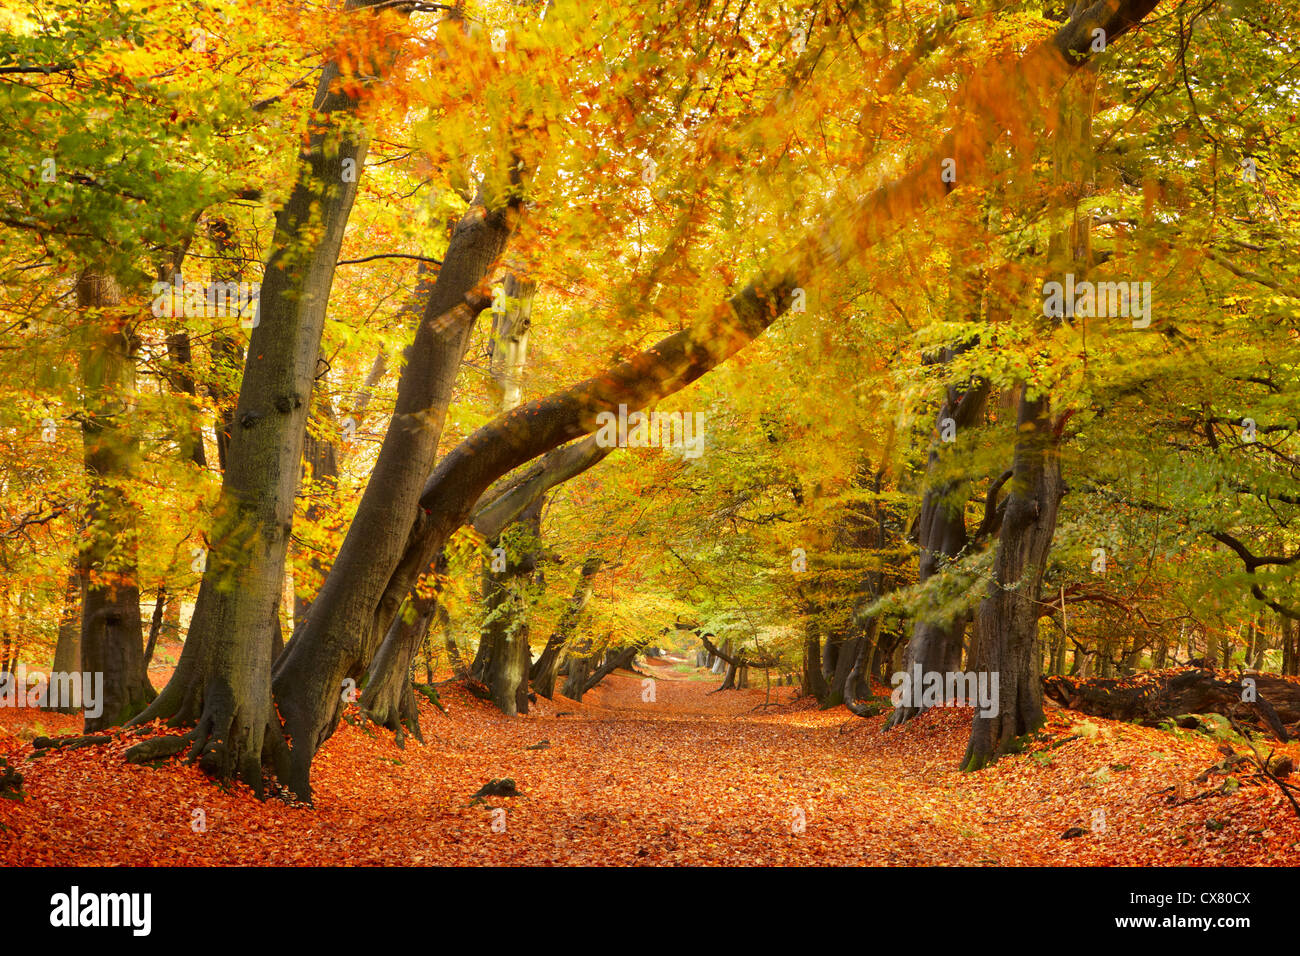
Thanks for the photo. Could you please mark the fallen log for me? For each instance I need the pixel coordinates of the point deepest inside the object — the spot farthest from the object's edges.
(1266, 701)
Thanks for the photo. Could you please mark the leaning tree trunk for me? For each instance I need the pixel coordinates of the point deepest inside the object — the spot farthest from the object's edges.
(544, 668)
(1008, 615)
(1273, 703)
(112, 641)
(348, 616)
(496, 509)
(729, 681)
(223, 680)
(614, 660)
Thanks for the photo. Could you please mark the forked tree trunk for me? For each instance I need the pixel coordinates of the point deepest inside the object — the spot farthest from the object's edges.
(1008, 615)
(941, 535)
(222, 683)
(112, 640)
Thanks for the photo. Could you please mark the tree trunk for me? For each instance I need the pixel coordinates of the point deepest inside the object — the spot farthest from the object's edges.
(180, 374)
(507, 594)
(349, 619)
(544, 668)
(112, 641)
(578, 667)
(388, 698)
(1290, 647)
(506, 599)
(496, 509)
(814, 684)
(222, 682)
(155, 627)
(1008, 615)
(941, 535)
(67, 650)
(226, 355)
(614, 660)
(1189, 691)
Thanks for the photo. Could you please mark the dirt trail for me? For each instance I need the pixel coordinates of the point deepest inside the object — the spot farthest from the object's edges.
(690, 777)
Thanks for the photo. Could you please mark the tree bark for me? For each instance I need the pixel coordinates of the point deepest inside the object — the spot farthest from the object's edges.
(349, 619)
(508, 595)
(506, 598)
(543, 670)
(614, 660)
(1290, 647)
(180, 373)
(941, 536)
(155, 627)
(67, 649)
(112, 640)
(225, 353)
(495, 510)
(814, 684)
(1162, 696)
(222, 682)
(1008, 615)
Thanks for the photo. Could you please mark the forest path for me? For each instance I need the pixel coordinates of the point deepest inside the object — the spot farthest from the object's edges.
(690, 777)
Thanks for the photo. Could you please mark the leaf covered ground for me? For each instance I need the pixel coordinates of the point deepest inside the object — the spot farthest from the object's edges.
(691, 777)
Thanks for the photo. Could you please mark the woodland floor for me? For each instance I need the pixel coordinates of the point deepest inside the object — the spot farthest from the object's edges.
(692, 778)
